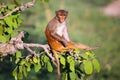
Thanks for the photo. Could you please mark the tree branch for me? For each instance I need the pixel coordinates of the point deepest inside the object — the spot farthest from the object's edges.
(20, 8)
(16, 44)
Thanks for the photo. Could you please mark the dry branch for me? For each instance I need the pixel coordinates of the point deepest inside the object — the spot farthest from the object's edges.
(20, 8)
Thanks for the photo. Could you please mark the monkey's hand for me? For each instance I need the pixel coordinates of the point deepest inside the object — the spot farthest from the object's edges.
(64, 42)
(60, 39)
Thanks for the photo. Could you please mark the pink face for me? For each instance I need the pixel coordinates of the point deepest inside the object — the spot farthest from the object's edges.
(62, 18)
(61, 15)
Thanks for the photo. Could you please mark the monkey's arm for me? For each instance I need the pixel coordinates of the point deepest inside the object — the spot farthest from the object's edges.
(59, 38)
(65, 35)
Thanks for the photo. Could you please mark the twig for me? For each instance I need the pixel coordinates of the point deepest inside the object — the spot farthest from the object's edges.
(20, 8)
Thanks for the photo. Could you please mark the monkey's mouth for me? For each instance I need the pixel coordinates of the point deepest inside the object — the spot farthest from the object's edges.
(62, 20)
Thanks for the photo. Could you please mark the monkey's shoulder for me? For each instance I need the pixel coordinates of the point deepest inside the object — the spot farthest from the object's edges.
(52, 24)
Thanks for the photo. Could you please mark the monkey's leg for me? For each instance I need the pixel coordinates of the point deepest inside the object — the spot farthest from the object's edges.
(58, 63)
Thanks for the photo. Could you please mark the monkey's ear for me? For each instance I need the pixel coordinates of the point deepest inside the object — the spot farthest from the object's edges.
(56, 12)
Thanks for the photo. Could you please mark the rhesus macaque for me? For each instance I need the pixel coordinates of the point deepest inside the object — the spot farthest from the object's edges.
(58, 39)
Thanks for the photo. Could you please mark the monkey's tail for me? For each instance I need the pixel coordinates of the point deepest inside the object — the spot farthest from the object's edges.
(58, 65)
(73, 45)
(85, 47)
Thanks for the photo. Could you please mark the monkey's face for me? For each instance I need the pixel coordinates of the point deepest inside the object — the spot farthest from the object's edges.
(61, 15)
(61, 18)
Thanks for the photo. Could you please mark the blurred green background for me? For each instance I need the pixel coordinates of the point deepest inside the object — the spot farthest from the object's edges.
(86, 24)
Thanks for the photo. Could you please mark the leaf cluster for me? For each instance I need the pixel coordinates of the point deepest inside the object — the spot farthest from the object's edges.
(9, 24)
(74, 65)
(24, 64)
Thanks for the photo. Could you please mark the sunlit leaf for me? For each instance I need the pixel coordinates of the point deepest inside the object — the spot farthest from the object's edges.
(22, 62)
(25, 73)
(65, 76)
(20, 76)
(71, 63)
(27, 64)
(96, 65)
(88, 66)
(8, 21)
(15, 73)
(2, 39)
(1, 30)
(90, 54)
(35, 60)
(14, 33)
(8, 30)
(19, 21)
(46, 59)
(15, 25)
(11, 7)
(49, 67)
(62, 60)
(77, 51)
(72, 75)
(37, 67)
(18, 54)
(85, 56)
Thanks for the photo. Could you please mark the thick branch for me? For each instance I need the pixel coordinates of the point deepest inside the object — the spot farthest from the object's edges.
(16, 44)
(20, 8)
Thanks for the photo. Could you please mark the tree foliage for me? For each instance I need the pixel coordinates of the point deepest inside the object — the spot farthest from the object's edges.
(74, 64)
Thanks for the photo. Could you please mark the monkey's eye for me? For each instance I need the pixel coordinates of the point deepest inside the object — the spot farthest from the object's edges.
(62, 15)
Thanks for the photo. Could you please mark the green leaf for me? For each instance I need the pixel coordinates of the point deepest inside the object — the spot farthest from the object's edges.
(81, 67)
(8, 21)
(8, 30)
(96, 65)
(11, 58)
(14, 73)
(17, 60)
(27, 64)
(62, 60)
(85, 56)
(77, 51)
(1, 30)
(88, 68)
(2, 39)
(49, 67)
(15, 25)
(64, 76)
(18, 54)
(11, 7)
(72, 75)
(90, 54)
(35, 60)
(71, 63)
(20, 76)
(7, 37)
(19, 21)
(37, 67)
(25, 73)
(14, 33)
(22, 62)
(46, 59)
